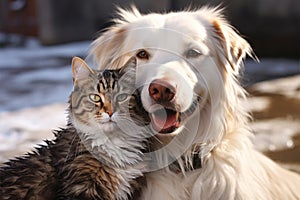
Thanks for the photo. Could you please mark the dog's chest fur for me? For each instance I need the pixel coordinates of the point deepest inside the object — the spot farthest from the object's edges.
(64, 169)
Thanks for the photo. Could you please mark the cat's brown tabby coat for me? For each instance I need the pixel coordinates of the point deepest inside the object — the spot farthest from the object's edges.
(98, 155)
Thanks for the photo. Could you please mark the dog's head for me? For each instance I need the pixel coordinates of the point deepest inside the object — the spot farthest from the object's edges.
(187, 64)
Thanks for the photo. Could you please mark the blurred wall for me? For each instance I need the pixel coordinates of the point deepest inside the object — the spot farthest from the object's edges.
(272, 27)
(18, 16)
(69, 20)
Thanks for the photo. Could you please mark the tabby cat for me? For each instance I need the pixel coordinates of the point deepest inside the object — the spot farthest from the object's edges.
(99, 154)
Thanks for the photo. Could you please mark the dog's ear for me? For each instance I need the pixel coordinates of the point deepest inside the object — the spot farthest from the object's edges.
(107, 49)
(234, 48)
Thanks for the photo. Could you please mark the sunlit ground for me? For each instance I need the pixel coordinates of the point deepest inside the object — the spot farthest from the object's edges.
(36, 81)
(276, 119)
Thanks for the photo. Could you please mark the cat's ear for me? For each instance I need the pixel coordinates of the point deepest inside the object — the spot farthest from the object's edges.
(129, 66)
(80, 69)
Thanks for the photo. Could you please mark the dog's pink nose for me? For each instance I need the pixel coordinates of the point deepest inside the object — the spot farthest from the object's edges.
(161, 91)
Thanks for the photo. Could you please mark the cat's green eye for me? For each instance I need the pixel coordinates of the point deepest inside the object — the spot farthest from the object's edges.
(95, 98)
(122, 97)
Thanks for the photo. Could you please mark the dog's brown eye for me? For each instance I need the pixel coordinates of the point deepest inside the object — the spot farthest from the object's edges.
(193, 53)
(143, 54)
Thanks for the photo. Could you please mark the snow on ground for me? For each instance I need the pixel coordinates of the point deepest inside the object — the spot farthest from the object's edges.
(36, 82)
(36, 75)
(36, 55)
(275, 106)
(22, 130)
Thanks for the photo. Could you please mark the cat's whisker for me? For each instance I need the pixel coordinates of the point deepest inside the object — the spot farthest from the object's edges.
(91, 146)
(131, 119)
(107, 96)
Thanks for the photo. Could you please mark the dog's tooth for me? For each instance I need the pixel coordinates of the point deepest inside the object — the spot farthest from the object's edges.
(177, 115)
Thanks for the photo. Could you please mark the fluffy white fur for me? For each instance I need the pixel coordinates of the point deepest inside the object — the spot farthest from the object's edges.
(114, 140)
(217, 127)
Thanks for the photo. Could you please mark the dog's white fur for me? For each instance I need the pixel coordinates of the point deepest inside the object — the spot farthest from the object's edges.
(231, 167)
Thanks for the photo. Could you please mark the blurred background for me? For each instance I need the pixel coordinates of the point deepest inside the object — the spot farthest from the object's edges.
(271, 27)
(38, 38)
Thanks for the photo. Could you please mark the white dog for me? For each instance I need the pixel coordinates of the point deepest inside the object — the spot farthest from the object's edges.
(188, 65)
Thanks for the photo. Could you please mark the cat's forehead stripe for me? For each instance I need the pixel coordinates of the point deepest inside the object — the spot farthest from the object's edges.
(101, 85)
(107, 80)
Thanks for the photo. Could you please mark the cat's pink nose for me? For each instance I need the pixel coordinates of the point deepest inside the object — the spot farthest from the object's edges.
(161, 91)
(109, 112)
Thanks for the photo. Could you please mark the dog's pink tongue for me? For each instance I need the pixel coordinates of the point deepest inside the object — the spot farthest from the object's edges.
(164, 120)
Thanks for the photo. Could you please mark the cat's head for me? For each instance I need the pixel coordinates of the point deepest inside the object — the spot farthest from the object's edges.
(106, 110)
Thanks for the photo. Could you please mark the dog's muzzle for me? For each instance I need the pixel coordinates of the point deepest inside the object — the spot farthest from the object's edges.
(165, 113)
(164, 117)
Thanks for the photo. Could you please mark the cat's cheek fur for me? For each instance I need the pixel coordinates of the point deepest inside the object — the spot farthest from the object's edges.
(81, 127)
(106, 138)
(105, 118)
(126, 176)
(108, 127)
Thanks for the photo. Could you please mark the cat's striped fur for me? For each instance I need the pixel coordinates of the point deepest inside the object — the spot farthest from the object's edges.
(92, 158)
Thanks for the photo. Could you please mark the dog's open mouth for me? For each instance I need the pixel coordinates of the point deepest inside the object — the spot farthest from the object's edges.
(165, 120)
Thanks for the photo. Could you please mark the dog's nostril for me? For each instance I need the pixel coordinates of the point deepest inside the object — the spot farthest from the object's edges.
(154, 91)
(161, 91)
(168, 91)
